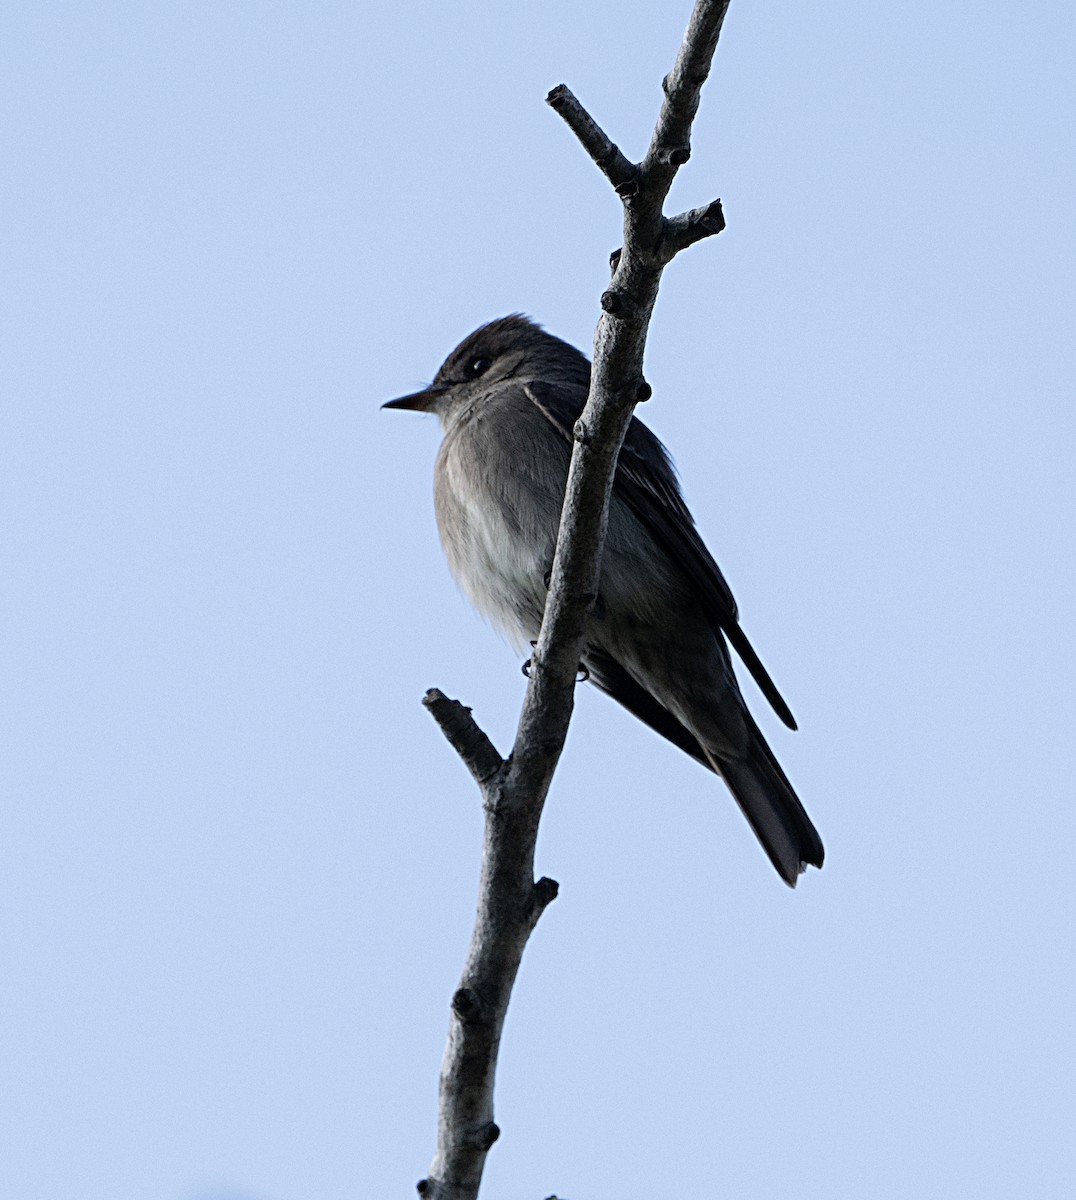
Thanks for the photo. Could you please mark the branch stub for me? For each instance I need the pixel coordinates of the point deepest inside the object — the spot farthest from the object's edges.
(486, 1136)
(467, 1006)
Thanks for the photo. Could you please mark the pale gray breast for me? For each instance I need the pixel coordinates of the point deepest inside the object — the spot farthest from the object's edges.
(498, 488)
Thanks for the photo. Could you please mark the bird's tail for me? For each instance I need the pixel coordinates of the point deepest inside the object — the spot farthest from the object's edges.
(772, 808)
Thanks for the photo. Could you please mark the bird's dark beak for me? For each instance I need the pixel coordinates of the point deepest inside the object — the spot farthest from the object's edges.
(423, 401)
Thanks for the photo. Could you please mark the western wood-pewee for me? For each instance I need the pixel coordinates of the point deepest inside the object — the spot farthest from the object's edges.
(508, 397)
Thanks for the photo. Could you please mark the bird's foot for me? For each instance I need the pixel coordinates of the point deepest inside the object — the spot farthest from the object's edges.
(582, 674)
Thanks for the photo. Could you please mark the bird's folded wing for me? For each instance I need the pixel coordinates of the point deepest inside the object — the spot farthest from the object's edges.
(646, 481)
(611, 677)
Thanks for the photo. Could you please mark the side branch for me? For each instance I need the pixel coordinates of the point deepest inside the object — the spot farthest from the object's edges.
(691, 227)
(470, 743)
(618, 169)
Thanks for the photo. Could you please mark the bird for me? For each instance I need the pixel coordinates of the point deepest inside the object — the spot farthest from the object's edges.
(663, 622)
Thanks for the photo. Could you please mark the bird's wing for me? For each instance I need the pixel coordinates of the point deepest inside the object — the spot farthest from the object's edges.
(646, 481)
(611, 677)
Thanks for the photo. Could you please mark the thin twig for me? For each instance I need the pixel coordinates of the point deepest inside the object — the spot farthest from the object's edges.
(619, 170)
(670, 147)
(470, 743)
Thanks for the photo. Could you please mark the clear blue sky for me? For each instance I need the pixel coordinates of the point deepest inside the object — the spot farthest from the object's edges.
(238, 860)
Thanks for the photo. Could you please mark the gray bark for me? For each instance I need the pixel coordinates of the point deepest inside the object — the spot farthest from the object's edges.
(514, 789)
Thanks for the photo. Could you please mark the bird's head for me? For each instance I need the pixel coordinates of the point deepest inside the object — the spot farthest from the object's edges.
(511, 347)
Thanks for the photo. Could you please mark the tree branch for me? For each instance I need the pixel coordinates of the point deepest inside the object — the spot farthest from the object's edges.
(514, 791)
(470, 743)
(691, 227)
(619, 170)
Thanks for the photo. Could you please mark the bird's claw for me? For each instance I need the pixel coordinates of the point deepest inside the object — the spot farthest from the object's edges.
(581, 672)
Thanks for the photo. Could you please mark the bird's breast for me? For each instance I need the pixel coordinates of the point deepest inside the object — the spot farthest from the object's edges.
(497, 513)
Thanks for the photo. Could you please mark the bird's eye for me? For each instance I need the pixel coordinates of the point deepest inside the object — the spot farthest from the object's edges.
(479, 366)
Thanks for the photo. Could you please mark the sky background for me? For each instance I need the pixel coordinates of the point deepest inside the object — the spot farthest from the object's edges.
(238, 859)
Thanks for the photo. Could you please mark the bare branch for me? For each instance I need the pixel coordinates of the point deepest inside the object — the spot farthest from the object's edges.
(619, 170)
(691, 227)
(670, 147)
(510, 901)
(509, 906)
(470, 743)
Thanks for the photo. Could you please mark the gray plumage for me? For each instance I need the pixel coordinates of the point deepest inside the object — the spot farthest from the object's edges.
(507, 398)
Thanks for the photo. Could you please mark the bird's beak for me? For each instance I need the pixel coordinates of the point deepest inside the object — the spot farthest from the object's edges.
(423, 401)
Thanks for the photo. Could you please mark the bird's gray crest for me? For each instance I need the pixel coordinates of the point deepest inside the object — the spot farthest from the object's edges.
(515, 335)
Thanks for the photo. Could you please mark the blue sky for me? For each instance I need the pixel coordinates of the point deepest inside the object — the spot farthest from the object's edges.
(238, 861)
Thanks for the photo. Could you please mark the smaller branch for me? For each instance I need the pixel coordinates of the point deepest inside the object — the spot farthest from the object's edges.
(470, 743)
(677, 234)
(621, 172)
(670, 147)
(691, 227)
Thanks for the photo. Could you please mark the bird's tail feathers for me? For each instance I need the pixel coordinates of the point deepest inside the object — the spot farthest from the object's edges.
(772, 808)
